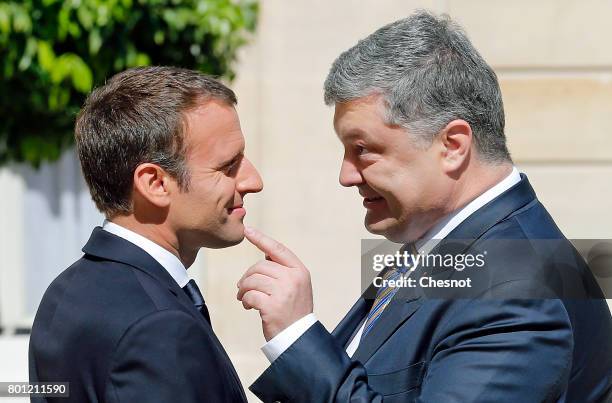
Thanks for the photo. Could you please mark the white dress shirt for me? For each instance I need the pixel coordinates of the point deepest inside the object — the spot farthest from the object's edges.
(164, 257)
(275, 347)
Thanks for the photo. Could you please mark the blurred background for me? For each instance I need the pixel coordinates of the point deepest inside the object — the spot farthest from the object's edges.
(553, 59)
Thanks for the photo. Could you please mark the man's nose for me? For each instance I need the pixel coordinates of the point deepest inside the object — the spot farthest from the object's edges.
(349, 174)
(248, 179)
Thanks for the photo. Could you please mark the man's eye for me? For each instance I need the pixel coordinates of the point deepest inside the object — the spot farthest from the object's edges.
(230, 167)
(360, 150)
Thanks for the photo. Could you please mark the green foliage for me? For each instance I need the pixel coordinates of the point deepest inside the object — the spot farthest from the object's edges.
(53, 52)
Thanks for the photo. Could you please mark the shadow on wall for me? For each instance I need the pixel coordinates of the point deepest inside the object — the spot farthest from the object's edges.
(59, 216)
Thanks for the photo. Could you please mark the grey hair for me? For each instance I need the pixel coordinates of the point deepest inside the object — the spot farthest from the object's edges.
(429, 74)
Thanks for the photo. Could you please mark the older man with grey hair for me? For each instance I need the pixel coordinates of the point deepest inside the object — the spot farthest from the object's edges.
(420, 115)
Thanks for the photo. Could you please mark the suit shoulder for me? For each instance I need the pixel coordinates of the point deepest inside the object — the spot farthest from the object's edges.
(97, 300)
(94, 285)
(532, 221)
(528, 245)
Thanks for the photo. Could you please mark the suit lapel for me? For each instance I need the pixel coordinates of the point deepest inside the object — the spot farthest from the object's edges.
(348, 325)
(402, 306)
(400, 309)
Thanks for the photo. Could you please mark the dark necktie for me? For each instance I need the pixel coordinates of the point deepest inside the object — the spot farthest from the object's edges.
(194, 294)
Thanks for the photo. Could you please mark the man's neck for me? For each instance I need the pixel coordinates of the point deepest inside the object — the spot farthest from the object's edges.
(158, 234)
(492, 178)
(472, 184)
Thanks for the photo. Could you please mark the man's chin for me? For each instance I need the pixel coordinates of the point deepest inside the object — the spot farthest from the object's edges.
(227, 238)
(226, 242)
(378, 226)
(388, 227)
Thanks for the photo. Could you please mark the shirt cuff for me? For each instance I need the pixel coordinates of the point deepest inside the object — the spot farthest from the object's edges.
(282, 341)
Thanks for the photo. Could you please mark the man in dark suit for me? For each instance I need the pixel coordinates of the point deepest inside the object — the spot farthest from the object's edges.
(163, 155)
(420, 116)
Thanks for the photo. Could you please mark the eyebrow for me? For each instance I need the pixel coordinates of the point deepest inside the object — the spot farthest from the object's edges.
(356, 133)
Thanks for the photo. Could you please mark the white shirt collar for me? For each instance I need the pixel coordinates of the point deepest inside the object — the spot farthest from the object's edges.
(164, 257)
(452, 221)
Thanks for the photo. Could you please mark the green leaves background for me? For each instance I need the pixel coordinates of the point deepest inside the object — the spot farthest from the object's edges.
(53, 52)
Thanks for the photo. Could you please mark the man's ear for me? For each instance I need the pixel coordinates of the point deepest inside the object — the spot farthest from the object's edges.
(153, 184)
(456, 139)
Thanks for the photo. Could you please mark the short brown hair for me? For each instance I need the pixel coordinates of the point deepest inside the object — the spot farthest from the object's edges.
(138, 117)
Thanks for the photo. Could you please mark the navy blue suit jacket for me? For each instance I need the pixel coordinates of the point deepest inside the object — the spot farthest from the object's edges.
(516, 341)
(119, 329)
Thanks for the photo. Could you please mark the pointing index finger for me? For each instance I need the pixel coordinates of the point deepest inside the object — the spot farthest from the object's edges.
(273, 249)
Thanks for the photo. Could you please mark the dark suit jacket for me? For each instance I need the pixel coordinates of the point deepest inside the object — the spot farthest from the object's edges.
(120, 329)
(515, 340)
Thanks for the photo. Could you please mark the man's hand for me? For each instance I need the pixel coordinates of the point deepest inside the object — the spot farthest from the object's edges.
(278, 287)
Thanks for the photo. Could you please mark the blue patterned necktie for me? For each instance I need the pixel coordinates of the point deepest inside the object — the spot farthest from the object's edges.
(385, 293)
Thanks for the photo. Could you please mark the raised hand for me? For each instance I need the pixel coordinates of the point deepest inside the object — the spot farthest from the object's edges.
(278, 287)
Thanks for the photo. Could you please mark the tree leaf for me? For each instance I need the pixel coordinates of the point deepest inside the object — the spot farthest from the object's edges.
(95, 41)
(46, 56)
(29, 52)
(82, 77)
